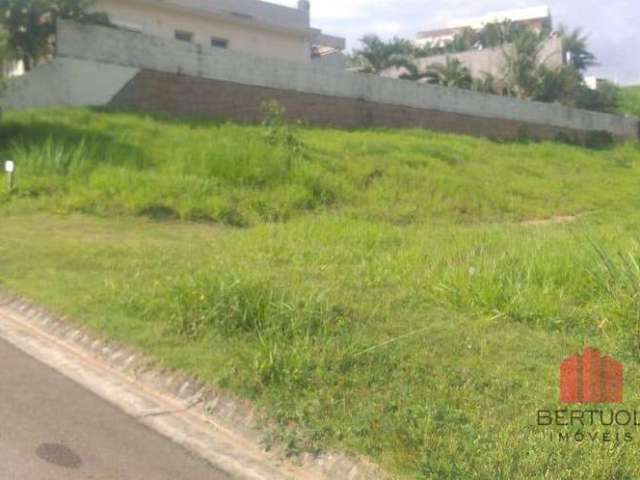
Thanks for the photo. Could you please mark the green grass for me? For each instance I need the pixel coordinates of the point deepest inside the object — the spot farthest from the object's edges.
(78, 161)
(374, 292)
(630, 101)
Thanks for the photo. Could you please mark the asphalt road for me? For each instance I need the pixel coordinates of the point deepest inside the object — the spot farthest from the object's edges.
(53, 429)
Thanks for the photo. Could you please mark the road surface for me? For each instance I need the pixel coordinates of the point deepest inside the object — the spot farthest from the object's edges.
(53, 429)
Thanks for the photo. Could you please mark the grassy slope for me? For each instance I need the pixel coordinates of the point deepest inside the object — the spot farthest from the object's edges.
(630, 101)
(389, 235)
(121, 164)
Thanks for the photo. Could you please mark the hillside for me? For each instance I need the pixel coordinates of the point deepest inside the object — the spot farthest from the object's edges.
(405, 295)
(126, 165)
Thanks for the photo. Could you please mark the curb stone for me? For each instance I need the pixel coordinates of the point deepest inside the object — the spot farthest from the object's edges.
(225, 409)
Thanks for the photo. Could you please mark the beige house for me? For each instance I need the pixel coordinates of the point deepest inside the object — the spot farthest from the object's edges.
(535, 18)
(252, 26)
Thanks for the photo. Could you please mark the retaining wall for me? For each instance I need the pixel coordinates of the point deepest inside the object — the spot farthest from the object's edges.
(131, 70)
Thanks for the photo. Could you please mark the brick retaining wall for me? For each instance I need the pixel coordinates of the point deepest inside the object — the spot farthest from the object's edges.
(185, 96)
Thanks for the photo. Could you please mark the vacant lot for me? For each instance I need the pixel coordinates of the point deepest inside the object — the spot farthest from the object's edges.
(401, 294)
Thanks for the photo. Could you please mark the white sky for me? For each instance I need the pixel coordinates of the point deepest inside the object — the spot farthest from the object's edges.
(613, 25)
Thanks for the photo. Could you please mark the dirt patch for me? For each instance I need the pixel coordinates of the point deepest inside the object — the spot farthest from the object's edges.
(559, 220)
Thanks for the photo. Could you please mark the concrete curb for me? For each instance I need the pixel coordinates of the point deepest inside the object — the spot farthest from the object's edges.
(234, 414)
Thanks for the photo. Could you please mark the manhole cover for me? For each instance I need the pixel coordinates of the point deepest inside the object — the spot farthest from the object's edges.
(59, 455)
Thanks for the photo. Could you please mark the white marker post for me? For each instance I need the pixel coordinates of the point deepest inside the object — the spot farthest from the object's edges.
(9, 168)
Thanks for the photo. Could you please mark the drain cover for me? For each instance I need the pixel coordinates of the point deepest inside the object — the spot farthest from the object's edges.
(59, 455)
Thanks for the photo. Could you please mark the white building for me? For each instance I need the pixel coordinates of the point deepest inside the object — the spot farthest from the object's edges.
(12, 69)
(594, 82)
(536, 18)
(252, 26)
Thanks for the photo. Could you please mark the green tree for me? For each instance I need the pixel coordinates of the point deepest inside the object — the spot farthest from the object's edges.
(487, 83)
(4, 57)
(452, 73)
(557, 85)
(521, 70)
(4, 50)
(378, 55)
(30, 25)
(606, 98)
(575, 45)
(428, 51)
(497, 34)
(27, 28)
(467, 40)
(4, 47)
(491, 35)
(411, 70)
(525, 73)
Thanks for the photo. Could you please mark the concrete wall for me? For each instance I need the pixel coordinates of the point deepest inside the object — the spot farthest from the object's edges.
(335, 60)
(68, 82)
(245, 35)
(182, 79)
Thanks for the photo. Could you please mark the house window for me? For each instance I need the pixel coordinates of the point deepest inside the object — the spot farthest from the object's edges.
(184, 36)
(219, 42)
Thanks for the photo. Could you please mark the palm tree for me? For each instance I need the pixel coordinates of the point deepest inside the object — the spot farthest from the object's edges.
(428, 51)
(466, 40)
(487, 83)
(492, 35)
(575, 44)
(557, 85)
(450, 74)
(496, 34)
(522, 63)
(377, 55)
(410, 69)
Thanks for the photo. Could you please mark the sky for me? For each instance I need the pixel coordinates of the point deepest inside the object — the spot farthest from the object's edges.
(613, 26)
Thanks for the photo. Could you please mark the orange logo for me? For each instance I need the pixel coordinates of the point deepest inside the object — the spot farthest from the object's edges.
(590, 378)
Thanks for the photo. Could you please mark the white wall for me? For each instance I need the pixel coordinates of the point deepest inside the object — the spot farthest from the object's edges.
(66, 82)
(247, 36)
(333, 60)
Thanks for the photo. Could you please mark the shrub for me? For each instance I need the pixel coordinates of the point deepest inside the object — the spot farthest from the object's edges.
(277, 130)
(599, 140)
(605, 98)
